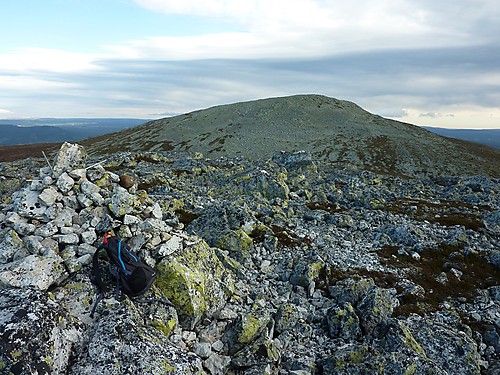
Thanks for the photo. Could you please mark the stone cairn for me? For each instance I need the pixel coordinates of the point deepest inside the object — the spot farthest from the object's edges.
(54, 224)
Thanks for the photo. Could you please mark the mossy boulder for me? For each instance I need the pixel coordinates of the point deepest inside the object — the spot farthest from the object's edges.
(196, 282)
(343, 322)
(246, 330)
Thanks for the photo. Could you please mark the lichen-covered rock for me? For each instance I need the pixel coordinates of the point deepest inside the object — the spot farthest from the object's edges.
(10, 245)
(376, 307)
(36, 334)
(287, 317)
(195, 281)
(350, 291)
(247, 329)
(33, 271)
(343, 322)
(134, 341)
(122, 202)
(27, 204)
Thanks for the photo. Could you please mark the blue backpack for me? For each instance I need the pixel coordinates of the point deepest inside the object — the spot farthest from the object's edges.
(133, 276)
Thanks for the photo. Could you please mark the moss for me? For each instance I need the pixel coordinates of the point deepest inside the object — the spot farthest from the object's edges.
(358, 356)
(271, 351)
(410, 370)
(193, 280)
(183, 286)
(410, 341)
(340, 364)
(315, 270)
(165, 328)
(49, 361)
(15, 354)
(249, 329)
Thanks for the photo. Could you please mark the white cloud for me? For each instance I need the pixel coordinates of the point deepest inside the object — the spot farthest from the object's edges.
(4, 111)
(43, 59)
(301, 28)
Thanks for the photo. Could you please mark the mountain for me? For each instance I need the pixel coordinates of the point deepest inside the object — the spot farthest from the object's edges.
(489, 137)
(49, 130)
(16, 135)
(333, 131)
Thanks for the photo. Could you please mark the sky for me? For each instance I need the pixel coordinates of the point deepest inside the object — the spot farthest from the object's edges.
(426, 62)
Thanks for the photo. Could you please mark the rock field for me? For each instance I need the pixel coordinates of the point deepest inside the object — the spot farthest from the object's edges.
(280, 266)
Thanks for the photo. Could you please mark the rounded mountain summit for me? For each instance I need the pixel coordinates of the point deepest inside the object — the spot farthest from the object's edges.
(333, 131)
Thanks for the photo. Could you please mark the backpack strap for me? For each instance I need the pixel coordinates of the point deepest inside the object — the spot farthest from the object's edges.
(96, 273)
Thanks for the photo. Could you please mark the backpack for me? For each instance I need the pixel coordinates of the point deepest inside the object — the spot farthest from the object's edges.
(133, 276)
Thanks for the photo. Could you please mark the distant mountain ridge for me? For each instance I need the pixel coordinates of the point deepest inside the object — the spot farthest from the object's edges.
(49, 130)
(334, 131)
(489, 137)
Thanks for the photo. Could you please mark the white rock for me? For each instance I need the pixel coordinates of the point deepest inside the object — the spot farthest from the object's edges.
(131, 219)
(65, 183)
(32, 271)
(68, 157)
(37, 185)
(157, 212)
(69, 239)
(67, 230)
(78, 174)
(171, 246)
(64, 217)
(125, 232)
(89, 236)
(26, 204)
(47, 230)
(49, 196)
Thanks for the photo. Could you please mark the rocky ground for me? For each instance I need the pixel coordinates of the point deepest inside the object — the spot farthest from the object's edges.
(280, 266)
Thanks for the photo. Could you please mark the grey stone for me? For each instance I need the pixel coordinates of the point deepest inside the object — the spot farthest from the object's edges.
(202, 349)
(69, 157)
(10, 245)
(49, 196)
(89, 236)
(376, 307)
(217, 364)
(47, 229)
(69, 239)
(65, 183)
(25, 229)
(26, 204)
(33, 271)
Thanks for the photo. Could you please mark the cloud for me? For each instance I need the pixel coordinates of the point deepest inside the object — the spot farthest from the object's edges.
(4, 111)
(435, 115)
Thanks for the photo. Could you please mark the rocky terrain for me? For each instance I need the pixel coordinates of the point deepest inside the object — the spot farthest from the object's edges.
(287, 264)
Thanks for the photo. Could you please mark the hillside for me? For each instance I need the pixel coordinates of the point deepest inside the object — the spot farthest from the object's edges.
(333, 131)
